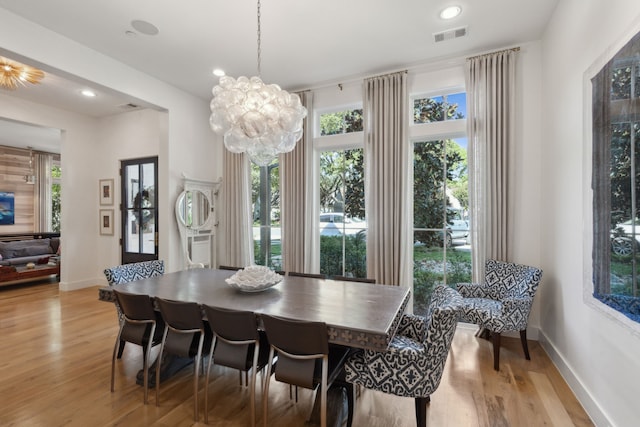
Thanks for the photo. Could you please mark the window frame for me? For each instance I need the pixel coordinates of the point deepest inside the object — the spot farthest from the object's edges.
(588, 219)
(322, 143)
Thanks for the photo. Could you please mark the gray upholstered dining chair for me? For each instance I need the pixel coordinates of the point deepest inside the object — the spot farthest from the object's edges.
(303, 359)
(184, 336)
(140, 325)
(413, 364)
(238, 344)
(128, 273)
(502, 303)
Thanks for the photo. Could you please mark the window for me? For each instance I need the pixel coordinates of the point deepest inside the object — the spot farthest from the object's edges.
(441, 242)
(265, 185)
(342, 219)
(616, 182)
(56, 186)
(440, 108)
(441, 251)
(339, 122)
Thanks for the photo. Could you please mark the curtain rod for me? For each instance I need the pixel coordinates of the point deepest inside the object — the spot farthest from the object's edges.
(513, 49)
(386, 74)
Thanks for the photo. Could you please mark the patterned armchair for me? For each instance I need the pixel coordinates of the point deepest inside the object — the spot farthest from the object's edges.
(502, 303)
(413, 364)
(128, 273)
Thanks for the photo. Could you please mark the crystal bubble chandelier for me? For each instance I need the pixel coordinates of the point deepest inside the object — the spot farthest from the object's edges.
(259, 119)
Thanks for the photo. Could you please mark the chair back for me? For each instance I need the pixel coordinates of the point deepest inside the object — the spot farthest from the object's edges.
(509, 280)
(236, 333)
(299, 345)
(139, 317)
(136, 271)
(185, 326)
(354, 279)
(312, 275)
(441, 321)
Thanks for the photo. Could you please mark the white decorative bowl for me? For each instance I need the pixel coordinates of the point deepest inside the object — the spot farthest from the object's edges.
(254, 278)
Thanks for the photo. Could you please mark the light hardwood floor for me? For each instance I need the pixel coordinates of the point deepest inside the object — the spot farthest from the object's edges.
(55, 367)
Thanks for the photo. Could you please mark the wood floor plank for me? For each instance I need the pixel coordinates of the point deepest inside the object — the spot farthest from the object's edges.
(55, 364)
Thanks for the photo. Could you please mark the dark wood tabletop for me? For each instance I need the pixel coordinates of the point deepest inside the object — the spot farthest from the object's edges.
(358, 315)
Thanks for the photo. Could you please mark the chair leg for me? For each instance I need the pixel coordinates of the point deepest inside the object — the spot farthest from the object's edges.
(351, 401)
(495, 337)
(121, 348)
(113, 363)
(525, 346)
(421, 411)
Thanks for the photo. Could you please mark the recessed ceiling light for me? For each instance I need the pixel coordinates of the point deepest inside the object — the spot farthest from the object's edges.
(88, 93)
(218, 72)
(144, 27)
(450, 12)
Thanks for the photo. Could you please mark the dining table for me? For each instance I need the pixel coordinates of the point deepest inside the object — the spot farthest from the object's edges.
(357, 315)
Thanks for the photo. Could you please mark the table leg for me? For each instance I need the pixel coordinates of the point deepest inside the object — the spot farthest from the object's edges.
(170, 366)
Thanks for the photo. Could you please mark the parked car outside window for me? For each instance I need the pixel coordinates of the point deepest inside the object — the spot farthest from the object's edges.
(336, 224)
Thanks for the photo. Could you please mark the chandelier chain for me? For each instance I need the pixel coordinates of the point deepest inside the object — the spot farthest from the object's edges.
(259, 40)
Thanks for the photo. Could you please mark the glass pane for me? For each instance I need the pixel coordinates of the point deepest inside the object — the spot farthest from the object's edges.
(427, 110)
(338, 122)
(266, 215)
(636, 80)
(625, 226)
(621, 83)
(457, 106)
(442, 253)
(429, 185)
(56, 175)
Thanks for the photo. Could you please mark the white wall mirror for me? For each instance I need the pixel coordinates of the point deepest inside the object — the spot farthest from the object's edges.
(196, 219)
(193, 209)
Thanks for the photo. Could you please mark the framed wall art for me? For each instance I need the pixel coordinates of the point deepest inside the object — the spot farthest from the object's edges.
(106, 192)
(106, 222)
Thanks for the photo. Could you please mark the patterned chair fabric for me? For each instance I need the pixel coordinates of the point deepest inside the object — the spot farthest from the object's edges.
(128, 273)
(503, 302)
(413, 364)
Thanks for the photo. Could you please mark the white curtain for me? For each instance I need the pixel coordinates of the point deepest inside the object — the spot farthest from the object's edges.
(296, 195)
(386, 184)
(490, 81)
(42, 192)
(237, 242)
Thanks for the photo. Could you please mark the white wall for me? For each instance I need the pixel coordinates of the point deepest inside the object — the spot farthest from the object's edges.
(597, 354)
(184, 141)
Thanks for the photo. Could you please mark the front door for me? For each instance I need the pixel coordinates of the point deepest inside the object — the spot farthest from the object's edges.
(138, 209)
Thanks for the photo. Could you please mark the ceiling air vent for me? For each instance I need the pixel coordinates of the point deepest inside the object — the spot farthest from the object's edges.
(129, 106)
(450, 34)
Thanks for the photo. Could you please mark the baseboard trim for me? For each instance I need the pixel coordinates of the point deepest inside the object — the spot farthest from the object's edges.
(73, 286)
(583, 395)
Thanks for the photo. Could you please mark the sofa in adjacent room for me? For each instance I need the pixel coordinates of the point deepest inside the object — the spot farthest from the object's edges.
(28, 257)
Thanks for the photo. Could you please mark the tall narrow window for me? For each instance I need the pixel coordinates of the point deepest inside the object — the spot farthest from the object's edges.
(265, 183)
(441, 254)
(342, 217)
(56, 187)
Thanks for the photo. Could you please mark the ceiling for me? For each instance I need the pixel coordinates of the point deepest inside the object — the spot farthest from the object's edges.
(304, 43)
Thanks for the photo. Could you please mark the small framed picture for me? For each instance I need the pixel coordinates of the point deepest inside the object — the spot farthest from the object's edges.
(106, 192)
(106, 222)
